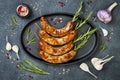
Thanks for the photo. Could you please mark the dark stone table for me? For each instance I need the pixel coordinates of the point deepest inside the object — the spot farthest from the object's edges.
(9, 69)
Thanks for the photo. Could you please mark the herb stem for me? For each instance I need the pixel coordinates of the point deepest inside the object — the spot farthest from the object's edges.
(85, 34)
(84, 38)
(83, 22)
(77, 13)
(35, 67)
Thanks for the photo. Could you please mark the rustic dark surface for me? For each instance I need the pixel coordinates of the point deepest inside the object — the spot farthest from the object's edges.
(8, 67)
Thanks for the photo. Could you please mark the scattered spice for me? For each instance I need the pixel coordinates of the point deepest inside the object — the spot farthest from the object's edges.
(62, 4)
(30, 76)
(56, 20)
(89, 2)
(8, 56)
(17, 66)
(94, 18)
(108, 38)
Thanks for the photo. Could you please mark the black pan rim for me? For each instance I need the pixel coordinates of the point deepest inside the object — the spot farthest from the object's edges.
(71, 61)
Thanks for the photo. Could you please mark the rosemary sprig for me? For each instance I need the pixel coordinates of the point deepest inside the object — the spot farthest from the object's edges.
(85, 34)
(32, 40)
(84, 21)
(28, 32)
(83, 42)
(84, 38)
(33, 69)
(103, 46)
(13, 20)
(77, 13)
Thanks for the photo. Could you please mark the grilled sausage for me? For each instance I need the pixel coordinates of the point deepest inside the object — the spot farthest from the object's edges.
(55, 50)
(53, 31)
(57, 41)
(57, 59)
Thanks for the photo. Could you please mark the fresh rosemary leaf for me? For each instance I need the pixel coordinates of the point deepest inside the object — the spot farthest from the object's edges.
(28, 32)
(32, 40)
(13, 20)
(103, 46)
(35, 67)
(13, 27)
(82, 43)
(85, 34)
(77, 13)
(30, 69)
(84, 21)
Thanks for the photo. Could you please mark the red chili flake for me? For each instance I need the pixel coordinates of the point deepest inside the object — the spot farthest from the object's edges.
(17, 66)
(29, 48)
(108, 38)
(59, 20)
(89, 2)
(30, 76)
(54, 23)
(94, 18)
(8, 56)
(62, 4)
(51, 19)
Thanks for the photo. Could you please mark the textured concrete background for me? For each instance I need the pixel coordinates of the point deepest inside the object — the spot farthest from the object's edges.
(8, 67)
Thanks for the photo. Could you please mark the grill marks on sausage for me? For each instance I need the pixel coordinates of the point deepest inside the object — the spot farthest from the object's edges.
(55, 50)
(57, 59)
(53, 31)
(57, 41)
(52, 37)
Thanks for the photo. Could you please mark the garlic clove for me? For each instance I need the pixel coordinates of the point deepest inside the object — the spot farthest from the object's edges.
(8, 46)
(96, 62)
(15, 48)
(105, 32)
